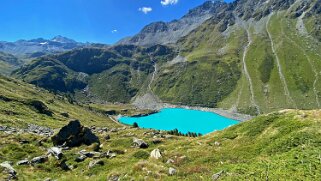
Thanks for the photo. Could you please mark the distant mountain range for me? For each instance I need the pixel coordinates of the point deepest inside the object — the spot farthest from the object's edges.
(247, 56)
(34, 48)
(26, 50)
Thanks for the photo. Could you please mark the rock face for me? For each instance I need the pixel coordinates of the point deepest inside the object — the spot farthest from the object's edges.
(74, 134)
(156, 154)
(139, 143)
(166, 33)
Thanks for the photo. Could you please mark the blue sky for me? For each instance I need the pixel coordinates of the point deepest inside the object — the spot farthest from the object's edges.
(103, 21)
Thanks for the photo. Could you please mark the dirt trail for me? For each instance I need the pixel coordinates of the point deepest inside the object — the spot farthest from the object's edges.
(246, 72)
(153, 77)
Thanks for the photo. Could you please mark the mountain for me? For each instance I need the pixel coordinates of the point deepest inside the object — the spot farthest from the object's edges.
(114, 74)
(8, 63)
(251, 57)
(282, 145)
(165, 33)
(28, 49)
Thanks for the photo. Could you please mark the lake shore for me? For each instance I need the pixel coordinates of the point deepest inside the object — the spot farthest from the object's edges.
(151, 102)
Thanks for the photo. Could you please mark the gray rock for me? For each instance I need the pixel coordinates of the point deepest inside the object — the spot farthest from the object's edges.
(39, 130)
(81, 158)
(95, 163)
(113, 178)
(89, 154)
(23, 162)
(139, 143)
(74, 134)
(56, 152)
(64, 166)
(217, 175)
(156, 153)
(39, 159)
(107, 137)
(172, 171)
(108, 154)
(169, 161)
(9, 169)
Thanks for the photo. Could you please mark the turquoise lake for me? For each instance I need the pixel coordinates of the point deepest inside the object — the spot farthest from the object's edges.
(185, 120)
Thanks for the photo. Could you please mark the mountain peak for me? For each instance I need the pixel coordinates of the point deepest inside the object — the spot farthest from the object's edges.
(62, 39)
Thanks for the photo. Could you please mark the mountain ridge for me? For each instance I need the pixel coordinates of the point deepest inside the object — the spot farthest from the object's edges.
(240, 59)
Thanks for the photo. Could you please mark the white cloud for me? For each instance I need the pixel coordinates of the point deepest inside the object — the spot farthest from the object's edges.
(169, 2)
(114, 31)
(145, 10)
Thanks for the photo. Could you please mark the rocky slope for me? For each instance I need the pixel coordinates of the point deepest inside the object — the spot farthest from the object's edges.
(283, 145)
(171, 32)
(251, 57)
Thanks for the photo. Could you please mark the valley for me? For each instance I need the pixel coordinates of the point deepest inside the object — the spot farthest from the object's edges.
(144, 107)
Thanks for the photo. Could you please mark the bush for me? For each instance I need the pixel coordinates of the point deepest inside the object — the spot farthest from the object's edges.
(135, 125)
(141, 154)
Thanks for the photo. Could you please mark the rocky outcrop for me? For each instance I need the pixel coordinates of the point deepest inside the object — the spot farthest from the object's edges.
(56, 152)
(166, 33)
(139, 143)
(32, 128)
(39, 159)
(156, 154)
(23, 162)
(95, 163)
(40, 107)
(10, 170)
(74, 134)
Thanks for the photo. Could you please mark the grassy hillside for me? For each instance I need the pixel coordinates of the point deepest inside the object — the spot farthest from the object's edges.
(8, 63)
(282, 145)
(265, 63)
(102, 74)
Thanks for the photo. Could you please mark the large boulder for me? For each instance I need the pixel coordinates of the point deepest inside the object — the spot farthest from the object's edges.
(156, 154)
(39, 159)
(74, 134)
(9, 169)
(139, 143)
(95, 163)
(56, 152)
